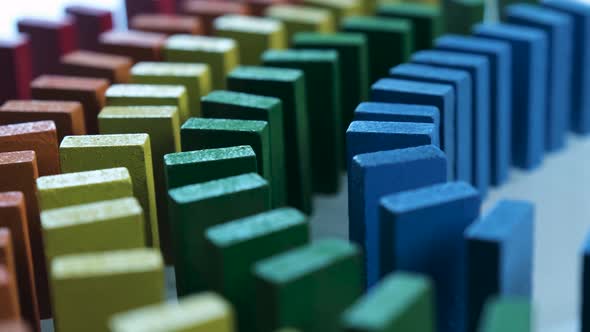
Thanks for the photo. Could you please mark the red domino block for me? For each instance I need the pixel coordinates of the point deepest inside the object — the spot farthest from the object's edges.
(257, 7)
(49, 41)
(208, 10)
(91, 22)
(17, 70)
(14, 326)
(115, 68)
(139, 45)
(10, 308)
(135, 7)
(166, 24)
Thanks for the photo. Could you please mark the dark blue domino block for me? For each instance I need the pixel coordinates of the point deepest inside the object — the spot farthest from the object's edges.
(499, 55)
(375, 174)
(580, 13)
(422, 231)
(388, 112)
(529, 74)
(499, 255)
(461, 83)
(559, 31)
(479, 69)
(585, 310)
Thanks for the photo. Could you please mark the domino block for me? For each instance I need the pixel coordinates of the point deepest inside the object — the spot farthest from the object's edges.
(67, 116)
(136, 7)
(340, 9)
(390, 41)
(510, 314)
(90, 92)
(208, 10)
(375, 174)
(461, 15)
(221, 54)
(15, 58)
(504, 240)
(79, 153)
(401, 301)
(259, 7)
(247, 194)
(114, 68)
(166, 24)
(235, 247)
(8, 280)
(388, 112)
(14, 326)
(290, 287)
(150, 95)
(499, 57)
(138, 45)
(133, 277)
(502, 6)
(302, 19)
(426, 19)
(529, 73)
(558, 29)
(322, 81)
(422, 232)
(585, 288)
(289, 86)
(90, 22)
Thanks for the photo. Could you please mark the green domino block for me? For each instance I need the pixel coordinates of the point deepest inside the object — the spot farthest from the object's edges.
(308, 288)
(302, 19)
(390, 40)
(426, 20)
(196, 207)
(235, 246)
(322, 82)
(506, 315)
(195, 77)
(461, 15)
(236, 105)
(133, 151)
(87, 289)
(339, 8)
(400, 302)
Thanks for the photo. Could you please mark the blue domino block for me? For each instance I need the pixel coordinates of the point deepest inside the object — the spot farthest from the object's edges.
(499, 255)
(499, 55)
(422, 231)
(585, 305)
(558, 28)
(580, 13)
(461, 83)
(389, 112)
(375, 174)
(478, 68)
(529, 74)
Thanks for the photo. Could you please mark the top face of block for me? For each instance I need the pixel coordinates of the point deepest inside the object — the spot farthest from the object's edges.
(266, 74)
(198, 156)
(413, 87)
(27, 128)
(508, 314)
(45, 23)
(11, 199)
(425, 111)
(288, 12)
(169, 69)
(436, 73)
(41, 106)
(578, 7)
(141, 112)
(97, 60)
(377, 127)
(499, 222)
(473, 44)
(410, 9)
(200, 43)
(86, 10)
(257, 25)
(166, 23)
(105, 141)
(145, 91)
(450, 58)
(377, 24)
(300, 56)
(216, 188)
(18, 157)
(343, 4)
(537, 14)
(241, 99)
(214, 7)
(70, 83)
(133, 38)
(224, 124)
(510, 31)
(336, 39)
(398, 156)
(83, 178)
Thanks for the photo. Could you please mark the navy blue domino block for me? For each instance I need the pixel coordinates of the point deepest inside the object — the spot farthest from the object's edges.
(558, 28)
(389, 112)
(461, 83)
(478, 67)
(529, 75)
(585, 305)
(422, 231)
(499, 255)
(580, 14)
(375, 174)
(499, 55)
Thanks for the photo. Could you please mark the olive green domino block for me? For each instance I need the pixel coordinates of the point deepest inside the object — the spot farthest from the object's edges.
(323, 90)
(309, 287)
(400, 302)
(87, 289)
(390, 41)
(461, 15)
(243, 106)
(195, 77)
(254, 35)
(426, 20)
(302, 19)
(339, 8)
(196, 207)
(507, 314)
(221, 54)
(235, 246)
(56, 191)
(133, 151)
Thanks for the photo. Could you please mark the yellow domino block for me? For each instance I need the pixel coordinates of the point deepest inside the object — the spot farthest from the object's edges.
(302, 19)
(339, 8)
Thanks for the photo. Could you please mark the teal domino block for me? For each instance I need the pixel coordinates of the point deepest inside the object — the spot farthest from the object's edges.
(506, 314)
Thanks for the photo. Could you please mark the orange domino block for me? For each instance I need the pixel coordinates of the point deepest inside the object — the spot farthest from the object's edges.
(14, 326)
(114, 68)
(139, 45)
(208, 10)
(166, 24)
(10, 307)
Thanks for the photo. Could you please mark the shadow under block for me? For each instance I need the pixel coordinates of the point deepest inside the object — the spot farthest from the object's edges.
(208, 10)
(422, 232)
(166, 24)
(114, 68)
(340, 9)
(9, 295)
(116, 281)
(221, 54)
(499, 256)
(510, 314)
(17, 71)
(196, 207)
(499, 55)
(133, 151)
(461, 15)
(236, 105)
(138, 45)
(390, 42)
(298, 18)
(529, 73)
(309, 287)
(585, 288)
(90, 22)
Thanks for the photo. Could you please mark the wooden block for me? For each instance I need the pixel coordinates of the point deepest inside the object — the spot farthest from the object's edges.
(511, 314)
(166, 24)
(90, 92)
(290, 286)
(426, 20)
(114, 68)
(247, 194)
(221, 54)
(9, 296)
(461, 15)
(302, 19)
(235, 247)
(90, 22)
(502, 6)
(259, 7)
(78, 153)
(422, 231)
(208, 10)
(340, 9)
(388, 112)
(400, 301)
(149, 95)
(133, 277)
(15, 59)
(367, 182)
(138, 45)
(14, 326)
(136, 7)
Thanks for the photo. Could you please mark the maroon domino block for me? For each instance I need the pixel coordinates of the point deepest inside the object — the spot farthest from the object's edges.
(17, 70)
(139, 45)
(135, 7)
(10, 306)
(91, 22)
(115, 68)
(14, 326)
(257, 7)
(208, 10)
(166, 24)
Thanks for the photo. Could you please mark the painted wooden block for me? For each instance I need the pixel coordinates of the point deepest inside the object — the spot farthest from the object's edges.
(530, 73)
(258, 7)
(138, 45)
(136, 7)
(133, 277)
(166, 24)
(90, 22)
(511, 314)
(426, 19)
(247, 194)
(298, 18)
(208, 10)
(422, 231)
(114, 68)
(79, 153)
(375, 174)
(340, 9)
(15, 325)
(292, 286)
(15, 58)
(499, 256)
(461, 15)
(388, 112)
(235, 247)
(9, 295)
(400, 302)
(150, 95)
